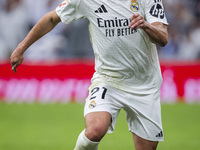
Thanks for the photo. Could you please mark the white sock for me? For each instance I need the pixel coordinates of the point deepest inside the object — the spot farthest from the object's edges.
(83, 143)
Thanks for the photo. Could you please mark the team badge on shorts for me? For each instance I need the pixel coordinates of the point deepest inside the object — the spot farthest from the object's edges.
(134, 6)
(92, 104)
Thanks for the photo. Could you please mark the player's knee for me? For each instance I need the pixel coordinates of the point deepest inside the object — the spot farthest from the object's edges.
(95, 133)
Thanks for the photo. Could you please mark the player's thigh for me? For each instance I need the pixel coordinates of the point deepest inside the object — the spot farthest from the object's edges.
(142, 144)
(101, 107)
(143, 115)
(97, 124)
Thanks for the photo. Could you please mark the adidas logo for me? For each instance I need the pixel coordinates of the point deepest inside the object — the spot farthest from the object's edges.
(101, 9)
(160, 134)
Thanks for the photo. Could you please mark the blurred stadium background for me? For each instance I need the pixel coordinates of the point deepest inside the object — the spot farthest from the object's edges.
(41, 107)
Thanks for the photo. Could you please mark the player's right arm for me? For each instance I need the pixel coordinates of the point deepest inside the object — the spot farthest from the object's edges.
(43, 26)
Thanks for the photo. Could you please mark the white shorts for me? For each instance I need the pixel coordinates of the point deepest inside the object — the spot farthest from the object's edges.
(143, 112)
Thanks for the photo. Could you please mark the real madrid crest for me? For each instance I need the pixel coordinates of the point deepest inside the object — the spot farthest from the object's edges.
(92, 104)
(134, 6)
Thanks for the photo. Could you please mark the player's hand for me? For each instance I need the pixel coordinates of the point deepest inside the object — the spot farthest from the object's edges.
(137, 21)
(16, 59)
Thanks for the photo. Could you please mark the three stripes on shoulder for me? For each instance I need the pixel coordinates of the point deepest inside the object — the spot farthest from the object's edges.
(101, 9)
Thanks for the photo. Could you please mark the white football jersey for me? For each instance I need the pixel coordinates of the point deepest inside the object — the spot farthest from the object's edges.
(124, 58)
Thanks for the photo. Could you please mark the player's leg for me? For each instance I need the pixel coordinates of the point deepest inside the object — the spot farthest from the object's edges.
(101, 111)
(97, 124)
(143, 115)
(142, 144)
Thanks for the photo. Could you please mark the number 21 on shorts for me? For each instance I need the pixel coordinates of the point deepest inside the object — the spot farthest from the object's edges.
(96, 91)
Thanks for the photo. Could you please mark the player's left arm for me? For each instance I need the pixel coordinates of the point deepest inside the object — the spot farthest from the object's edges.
(157, 31)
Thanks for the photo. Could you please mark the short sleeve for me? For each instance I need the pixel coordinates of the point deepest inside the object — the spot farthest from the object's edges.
(154, 11)
(68, 11)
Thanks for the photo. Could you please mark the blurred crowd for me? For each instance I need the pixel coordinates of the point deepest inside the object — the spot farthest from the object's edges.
(184, 30)
(17, 17)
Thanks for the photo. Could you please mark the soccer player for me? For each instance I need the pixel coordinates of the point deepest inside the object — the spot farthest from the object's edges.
(124, 34)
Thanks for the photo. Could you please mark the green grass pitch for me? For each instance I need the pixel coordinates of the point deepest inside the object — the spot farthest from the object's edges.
(57, 126)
